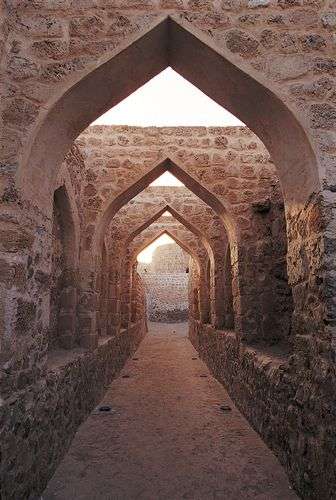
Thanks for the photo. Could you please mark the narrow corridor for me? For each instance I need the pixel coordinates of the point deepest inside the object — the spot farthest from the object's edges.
(167, 437)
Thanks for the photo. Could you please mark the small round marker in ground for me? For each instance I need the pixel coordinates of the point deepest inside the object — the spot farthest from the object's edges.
(225, 408)
(104, 408)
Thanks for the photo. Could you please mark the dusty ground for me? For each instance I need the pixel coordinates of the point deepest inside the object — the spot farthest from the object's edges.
(167, 437)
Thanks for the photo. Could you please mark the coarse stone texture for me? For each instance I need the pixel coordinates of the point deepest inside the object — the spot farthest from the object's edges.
(165, 280)
(284, 401)
(230, 208)
(192, 245)
(272, 64)
(44, 418)
(171, 438)
(256, 39)
(233, 165)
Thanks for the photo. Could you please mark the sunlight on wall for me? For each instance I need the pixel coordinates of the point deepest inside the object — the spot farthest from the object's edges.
(145, 257)
(168, 100)
(166, 179)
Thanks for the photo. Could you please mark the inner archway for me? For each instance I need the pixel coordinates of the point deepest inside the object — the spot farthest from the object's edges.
(164, 268)
(186, 237)
(206, 224)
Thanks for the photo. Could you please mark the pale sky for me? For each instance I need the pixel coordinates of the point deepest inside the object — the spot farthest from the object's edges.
(168, 100)
(147, 254)
(166, 179)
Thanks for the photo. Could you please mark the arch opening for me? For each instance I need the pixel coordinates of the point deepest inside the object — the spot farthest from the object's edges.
(167, 165)
(174, 43)
(149, 232)
(84, 292)
(167, 281)
(133, 208)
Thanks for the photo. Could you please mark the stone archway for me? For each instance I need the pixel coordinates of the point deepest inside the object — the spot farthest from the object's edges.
(172, 166)
(207, 197)
(125, 260)
(204, 292)
(196, 303)
(171, 42)
(45, 112)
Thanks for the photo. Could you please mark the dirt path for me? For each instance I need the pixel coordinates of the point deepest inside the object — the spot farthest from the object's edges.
(167, 437)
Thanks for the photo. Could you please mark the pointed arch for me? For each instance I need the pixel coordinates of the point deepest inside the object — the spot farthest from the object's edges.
(193, 229)
(195, 304)
(204, 292)
(217, 284)
(171, 41)
(183, 245)
(166, 165)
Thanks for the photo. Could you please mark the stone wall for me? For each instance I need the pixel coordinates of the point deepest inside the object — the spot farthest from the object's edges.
(191, 245)
(39, 422)
(288, 401)
(57, 272)
(49, 381)
(235, 167)
(278, 53)
(62, 64)
(102, 177)
(139, 303)
(166, 284)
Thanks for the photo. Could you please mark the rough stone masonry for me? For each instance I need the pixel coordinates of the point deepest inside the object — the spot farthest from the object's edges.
(256, 213)
(166, 283)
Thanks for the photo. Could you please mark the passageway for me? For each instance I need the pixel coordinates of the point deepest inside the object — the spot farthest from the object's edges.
(210, 123)
(166, 436)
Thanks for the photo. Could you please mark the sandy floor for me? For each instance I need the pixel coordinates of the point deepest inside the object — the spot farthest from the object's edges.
(167, 437)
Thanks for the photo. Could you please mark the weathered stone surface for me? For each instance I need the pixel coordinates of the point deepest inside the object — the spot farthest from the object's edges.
(323, 116)
(15, 239)
(80, 381)
(25, 316)
(19, 113)
(166, 284)
(279, 399)
(51, 49)
(241, 43)
(329, 19)
(285, 50)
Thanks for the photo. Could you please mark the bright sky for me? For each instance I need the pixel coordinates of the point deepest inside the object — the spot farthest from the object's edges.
(147, 254)
(168, 100)
(166, 179)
